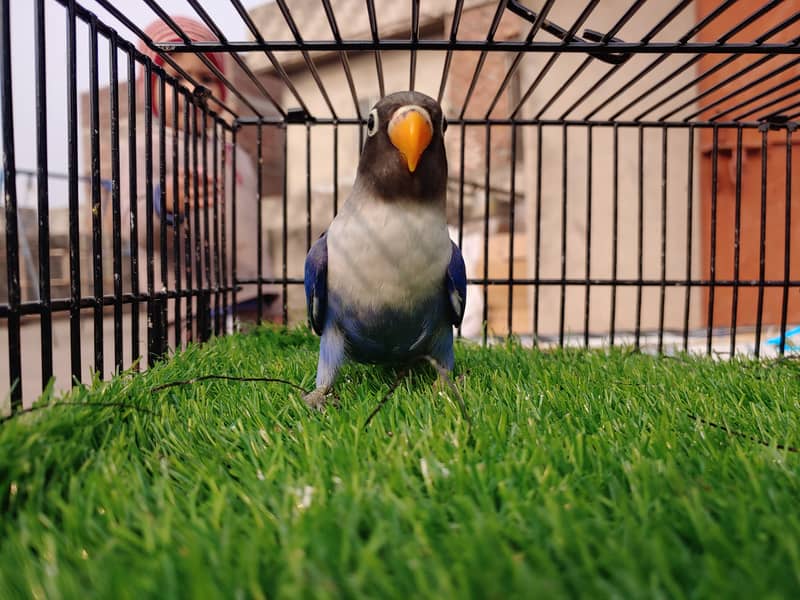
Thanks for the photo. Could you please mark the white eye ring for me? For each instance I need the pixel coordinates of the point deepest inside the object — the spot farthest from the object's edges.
(372, 122)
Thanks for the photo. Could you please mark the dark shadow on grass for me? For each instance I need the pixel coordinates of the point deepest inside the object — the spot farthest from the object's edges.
(437, 368)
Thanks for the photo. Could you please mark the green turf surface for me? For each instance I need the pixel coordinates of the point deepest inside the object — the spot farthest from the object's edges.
(584, 474)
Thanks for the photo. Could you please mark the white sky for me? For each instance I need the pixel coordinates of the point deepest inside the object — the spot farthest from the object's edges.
(23, 73)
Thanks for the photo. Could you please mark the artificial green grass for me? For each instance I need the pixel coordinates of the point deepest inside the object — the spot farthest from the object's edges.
(583, 475)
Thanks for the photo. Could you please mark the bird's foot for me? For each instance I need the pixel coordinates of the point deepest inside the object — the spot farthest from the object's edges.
(447, 385)
(317, 399)
(440, 384)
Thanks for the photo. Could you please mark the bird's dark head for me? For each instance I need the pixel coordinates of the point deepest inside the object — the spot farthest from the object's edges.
(403, 155)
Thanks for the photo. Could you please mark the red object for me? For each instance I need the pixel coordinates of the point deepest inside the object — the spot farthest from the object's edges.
(159, 32)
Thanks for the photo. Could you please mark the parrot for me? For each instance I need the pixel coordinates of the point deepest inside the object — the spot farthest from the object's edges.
(384, 283)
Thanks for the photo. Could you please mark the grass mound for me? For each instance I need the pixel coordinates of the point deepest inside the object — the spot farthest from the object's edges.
(585, 473)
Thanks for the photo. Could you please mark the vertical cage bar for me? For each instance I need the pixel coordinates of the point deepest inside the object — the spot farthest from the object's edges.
(148, 206)
(12, 231)
(97, 239)
(343, 60)
(200, 303)
(689, 238)
(512, 209)
(461, 196)
(335, 168)
(224, 228)
(373, 26)
(215, 218)
(46, 320)
(495, 23)
(259, 222)
(563, 286)
(713, 241)
(461, 186)
(639, 239)
(198, 254)
(412, 76)
(737, 233)
(308, 186)
(486, 208)
(72, 171)
(116, 213)
(588, 235)
(787, 240)
(189, 230)
(161, 338)
(234, 229)
(133, 195)
(762, 243)
(285, 227)
(206, 334)
(662, 284)
(538, 224)
(456, 19)
(614, 232)
(176, 217)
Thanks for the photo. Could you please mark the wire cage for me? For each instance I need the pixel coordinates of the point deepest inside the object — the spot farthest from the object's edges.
(620, 171)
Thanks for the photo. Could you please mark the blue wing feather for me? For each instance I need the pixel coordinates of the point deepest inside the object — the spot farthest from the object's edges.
(316, 283)
(456, 285)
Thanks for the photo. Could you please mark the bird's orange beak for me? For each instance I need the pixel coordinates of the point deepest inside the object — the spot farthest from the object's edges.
(410, 130)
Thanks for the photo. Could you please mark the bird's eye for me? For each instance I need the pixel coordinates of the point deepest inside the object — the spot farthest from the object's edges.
(444, 123)
(372, 122)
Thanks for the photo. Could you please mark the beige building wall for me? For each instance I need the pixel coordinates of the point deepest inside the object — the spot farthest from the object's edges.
(602, 197)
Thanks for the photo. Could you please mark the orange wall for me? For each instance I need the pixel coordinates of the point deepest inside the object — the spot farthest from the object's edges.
(751, 194)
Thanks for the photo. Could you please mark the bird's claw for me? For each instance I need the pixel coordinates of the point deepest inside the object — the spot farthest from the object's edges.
(317, 399)
(440, 384)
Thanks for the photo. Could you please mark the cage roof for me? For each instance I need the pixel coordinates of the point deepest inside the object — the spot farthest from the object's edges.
(617, 61)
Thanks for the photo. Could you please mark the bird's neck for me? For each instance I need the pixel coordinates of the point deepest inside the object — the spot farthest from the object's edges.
(364, 193)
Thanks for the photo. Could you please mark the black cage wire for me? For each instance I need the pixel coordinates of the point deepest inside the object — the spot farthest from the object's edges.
(620, 170)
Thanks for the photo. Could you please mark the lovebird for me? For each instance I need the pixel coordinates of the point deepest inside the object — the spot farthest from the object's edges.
(385, 284)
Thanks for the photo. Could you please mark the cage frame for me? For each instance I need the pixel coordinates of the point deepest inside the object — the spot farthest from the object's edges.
(212, 282)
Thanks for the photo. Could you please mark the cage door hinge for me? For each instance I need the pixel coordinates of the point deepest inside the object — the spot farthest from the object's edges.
(298, 115)
(612, 58)
(776, 122)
